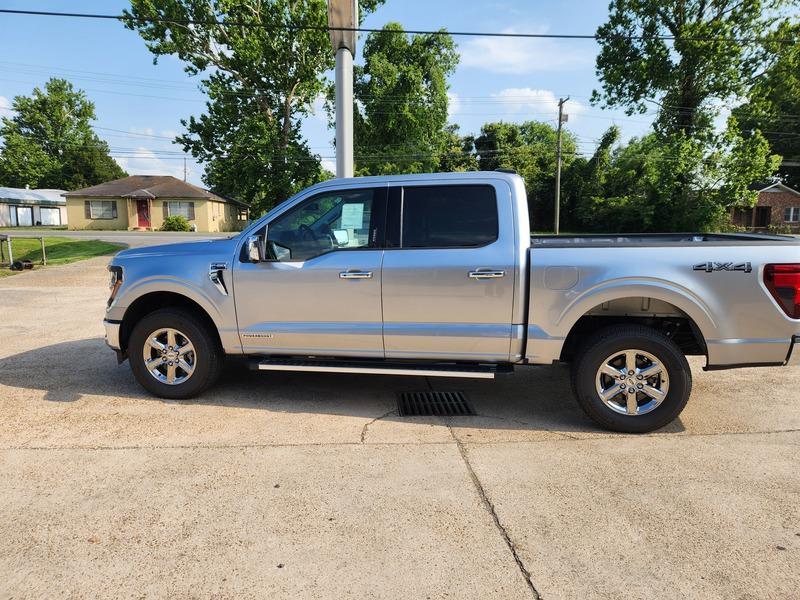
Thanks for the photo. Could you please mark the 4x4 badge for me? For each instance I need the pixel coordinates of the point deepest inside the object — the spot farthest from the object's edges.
(710, 267)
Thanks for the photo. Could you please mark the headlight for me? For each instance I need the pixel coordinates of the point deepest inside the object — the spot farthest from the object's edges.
(115, 283)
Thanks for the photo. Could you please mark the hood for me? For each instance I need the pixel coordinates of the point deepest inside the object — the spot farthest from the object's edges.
(223, 246)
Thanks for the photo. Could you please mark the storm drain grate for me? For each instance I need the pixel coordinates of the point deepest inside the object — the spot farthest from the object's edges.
(430, 403)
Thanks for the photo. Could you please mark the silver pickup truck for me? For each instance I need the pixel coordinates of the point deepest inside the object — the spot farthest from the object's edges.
(438, 275)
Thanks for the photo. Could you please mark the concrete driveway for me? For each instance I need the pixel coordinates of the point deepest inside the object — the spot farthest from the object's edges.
(310, 486)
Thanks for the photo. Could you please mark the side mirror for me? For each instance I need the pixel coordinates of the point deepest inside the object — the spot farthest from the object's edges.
(255, 249)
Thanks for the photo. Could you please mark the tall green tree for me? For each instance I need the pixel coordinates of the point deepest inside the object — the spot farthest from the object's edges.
(401, 101)
(773, 106)
(682, 77)
(530, 149)
(261, 68)
(48, 142)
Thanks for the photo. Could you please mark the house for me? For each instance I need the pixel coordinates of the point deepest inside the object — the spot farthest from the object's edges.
(142, 202)
(23, 207)
(777, 209)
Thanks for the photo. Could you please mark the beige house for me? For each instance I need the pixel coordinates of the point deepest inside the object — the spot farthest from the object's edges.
(142, 202)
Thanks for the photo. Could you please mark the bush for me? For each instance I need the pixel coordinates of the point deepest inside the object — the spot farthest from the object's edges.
(175, 223)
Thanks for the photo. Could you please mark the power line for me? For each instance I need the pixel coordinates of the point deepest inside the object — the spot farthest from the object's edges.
(293, 27)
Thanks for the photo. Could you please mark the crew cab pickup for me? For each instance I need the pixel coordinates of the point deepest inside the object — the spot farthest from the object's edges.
(438, 275)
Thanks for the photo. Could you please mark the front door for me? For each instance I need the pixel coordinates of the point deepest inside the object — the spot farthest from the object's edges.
(448, 282)
(143, 213)
(320, 292)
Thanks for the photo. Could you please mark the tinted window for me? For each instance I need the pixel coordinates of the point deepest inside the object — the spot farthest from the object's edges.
(449, 216)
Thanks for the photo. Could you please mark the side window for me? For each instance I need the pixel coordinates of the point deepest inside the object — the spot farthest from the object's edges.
(445, 216)
(331, 221)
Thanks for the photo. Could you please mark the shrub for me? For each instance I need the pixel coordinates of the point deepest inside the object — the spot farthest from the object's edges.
(175, 223)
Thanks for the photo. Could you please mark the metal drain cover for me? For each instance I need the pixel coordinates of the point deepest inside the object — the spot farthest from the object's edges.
(430, 403)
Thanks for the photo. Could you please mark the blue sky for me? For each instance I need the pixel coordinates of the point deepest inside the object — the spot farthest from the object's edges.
(140, 105)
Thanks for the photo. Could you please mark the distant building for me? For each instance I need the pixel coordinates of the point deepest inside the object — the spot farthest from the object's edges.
(144, 201)
(778, 208)
(21, 207)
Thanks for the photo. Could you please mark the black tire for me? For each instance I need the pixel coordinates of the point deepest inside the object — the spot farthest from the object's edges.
(208, 357)
(605, 343)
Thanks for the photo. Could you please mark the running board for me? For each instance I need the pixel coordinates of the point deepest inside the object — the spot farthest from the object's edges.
(482, 371)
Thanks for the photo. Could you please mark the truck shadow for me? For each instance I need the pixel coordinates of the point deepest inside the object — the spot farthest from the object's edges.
(533, 398)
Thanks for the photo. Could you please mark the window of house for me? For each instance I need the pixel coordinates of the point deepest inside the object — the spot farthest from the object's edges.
(21, 216)
(100, 209)
(180, 209)
(49, 216)
(792, 214)
(444, 216)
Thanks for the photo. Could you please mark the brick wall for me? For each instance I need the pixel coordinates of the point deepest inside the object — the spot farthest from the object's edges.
(779, 201)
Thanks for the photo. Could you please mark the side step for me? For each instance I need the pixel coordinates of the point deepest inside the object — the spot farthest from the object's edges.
(478, 371)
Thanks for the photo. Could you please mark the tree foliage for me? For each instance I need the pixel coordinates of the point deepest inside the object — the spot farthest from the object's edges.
(48, 142)
(773, 106)
(261, 76)
(529, 149)
(683, 76)
(400, 115)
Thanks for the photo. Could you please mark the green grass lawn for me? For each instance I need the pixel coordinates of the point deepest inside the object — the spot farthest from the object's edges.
(60, 251)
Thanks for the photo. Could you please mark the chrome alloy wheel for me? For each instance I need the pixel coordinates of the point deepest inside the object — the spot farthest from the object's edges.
(169, 356)
(632, 382)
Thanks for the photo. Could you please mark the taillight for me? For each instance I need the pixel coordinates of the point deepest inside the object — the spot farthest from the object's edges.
(783, 282)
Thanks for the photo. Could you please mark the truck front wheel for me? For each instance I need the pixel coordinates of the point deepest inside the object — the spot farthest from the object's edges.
(631, 378)
(173, 354)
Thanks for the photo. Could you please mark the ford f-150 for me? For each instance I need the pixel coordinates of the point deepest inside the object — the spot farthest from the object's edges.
(438, 275)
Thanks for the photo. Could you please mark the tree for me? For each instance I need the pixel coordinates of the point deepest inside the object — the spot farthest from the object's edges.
(400, 114)
(683, 76)
(529, 149)
(641, 186)
(49, 141)
(263, 63)
(773, 107)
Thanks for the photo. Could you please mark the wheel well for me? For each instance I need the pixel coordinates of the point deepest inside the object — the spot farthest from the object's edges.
(148, 303)
(650, 312)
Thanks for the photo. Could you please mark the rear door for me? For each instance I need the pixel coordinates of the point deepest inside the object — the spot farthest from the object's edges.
(448, 272)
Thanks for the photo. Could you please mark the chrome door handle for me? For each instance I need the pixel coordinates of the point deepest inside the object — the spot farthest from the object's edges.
(355, 275)
(486, 274)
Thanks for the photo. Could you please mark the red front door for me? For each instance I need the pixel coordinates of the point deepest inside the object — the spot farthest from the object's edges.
(143, 212)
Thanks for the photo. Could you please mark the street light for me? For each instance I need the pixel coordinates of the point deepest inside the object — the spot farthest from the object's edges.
(343, 20)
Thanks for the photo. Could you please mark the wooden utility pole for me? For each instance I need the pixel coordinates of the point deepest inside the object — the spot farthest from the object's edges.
(562, 118)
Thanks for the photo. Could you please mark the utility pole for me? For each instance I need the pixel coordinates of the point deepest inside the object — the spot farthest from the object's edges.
(184, 169)
(343, 20)
(562, 118)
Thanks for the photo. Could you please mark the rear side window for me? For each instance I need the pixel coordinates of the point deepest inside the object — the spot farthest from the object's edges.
(449, 216)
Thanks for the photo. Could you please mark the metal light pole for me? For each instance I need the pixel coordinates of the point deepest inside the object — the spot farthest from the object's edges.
(343, 19)
(562, 118)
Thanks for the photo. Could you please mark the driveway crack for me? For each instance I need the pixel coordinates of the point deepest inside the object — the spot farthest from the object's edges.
(487, 504)
(367, 425)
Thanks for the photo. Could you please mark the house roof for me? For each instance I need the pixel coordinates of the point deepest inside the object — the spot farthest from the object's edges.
(10, 195)
(151, 187)
(776, 185)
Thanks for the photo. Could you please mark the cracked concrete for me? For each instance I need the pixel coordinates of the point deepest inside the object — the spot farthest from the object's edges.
(293, 485)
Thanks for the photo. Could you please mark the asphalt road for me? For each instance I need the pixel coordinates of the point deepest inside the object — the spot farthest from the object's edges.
(310, 486)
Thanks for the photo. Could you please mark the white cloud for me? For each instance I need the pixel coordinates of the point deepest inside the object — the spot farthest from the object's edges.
(453, 104)
(534, 103)
(318, 109)
(5, 107)
(329, 165)
(523, 55)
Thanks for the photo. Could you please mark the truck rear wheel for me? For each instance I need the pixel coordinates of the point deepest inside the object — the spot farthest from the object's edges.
(174, 355)
(632, 379)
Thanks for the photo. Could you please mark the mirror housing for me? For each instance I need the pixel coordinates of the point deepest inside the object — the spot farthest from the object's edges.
(255, 249)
